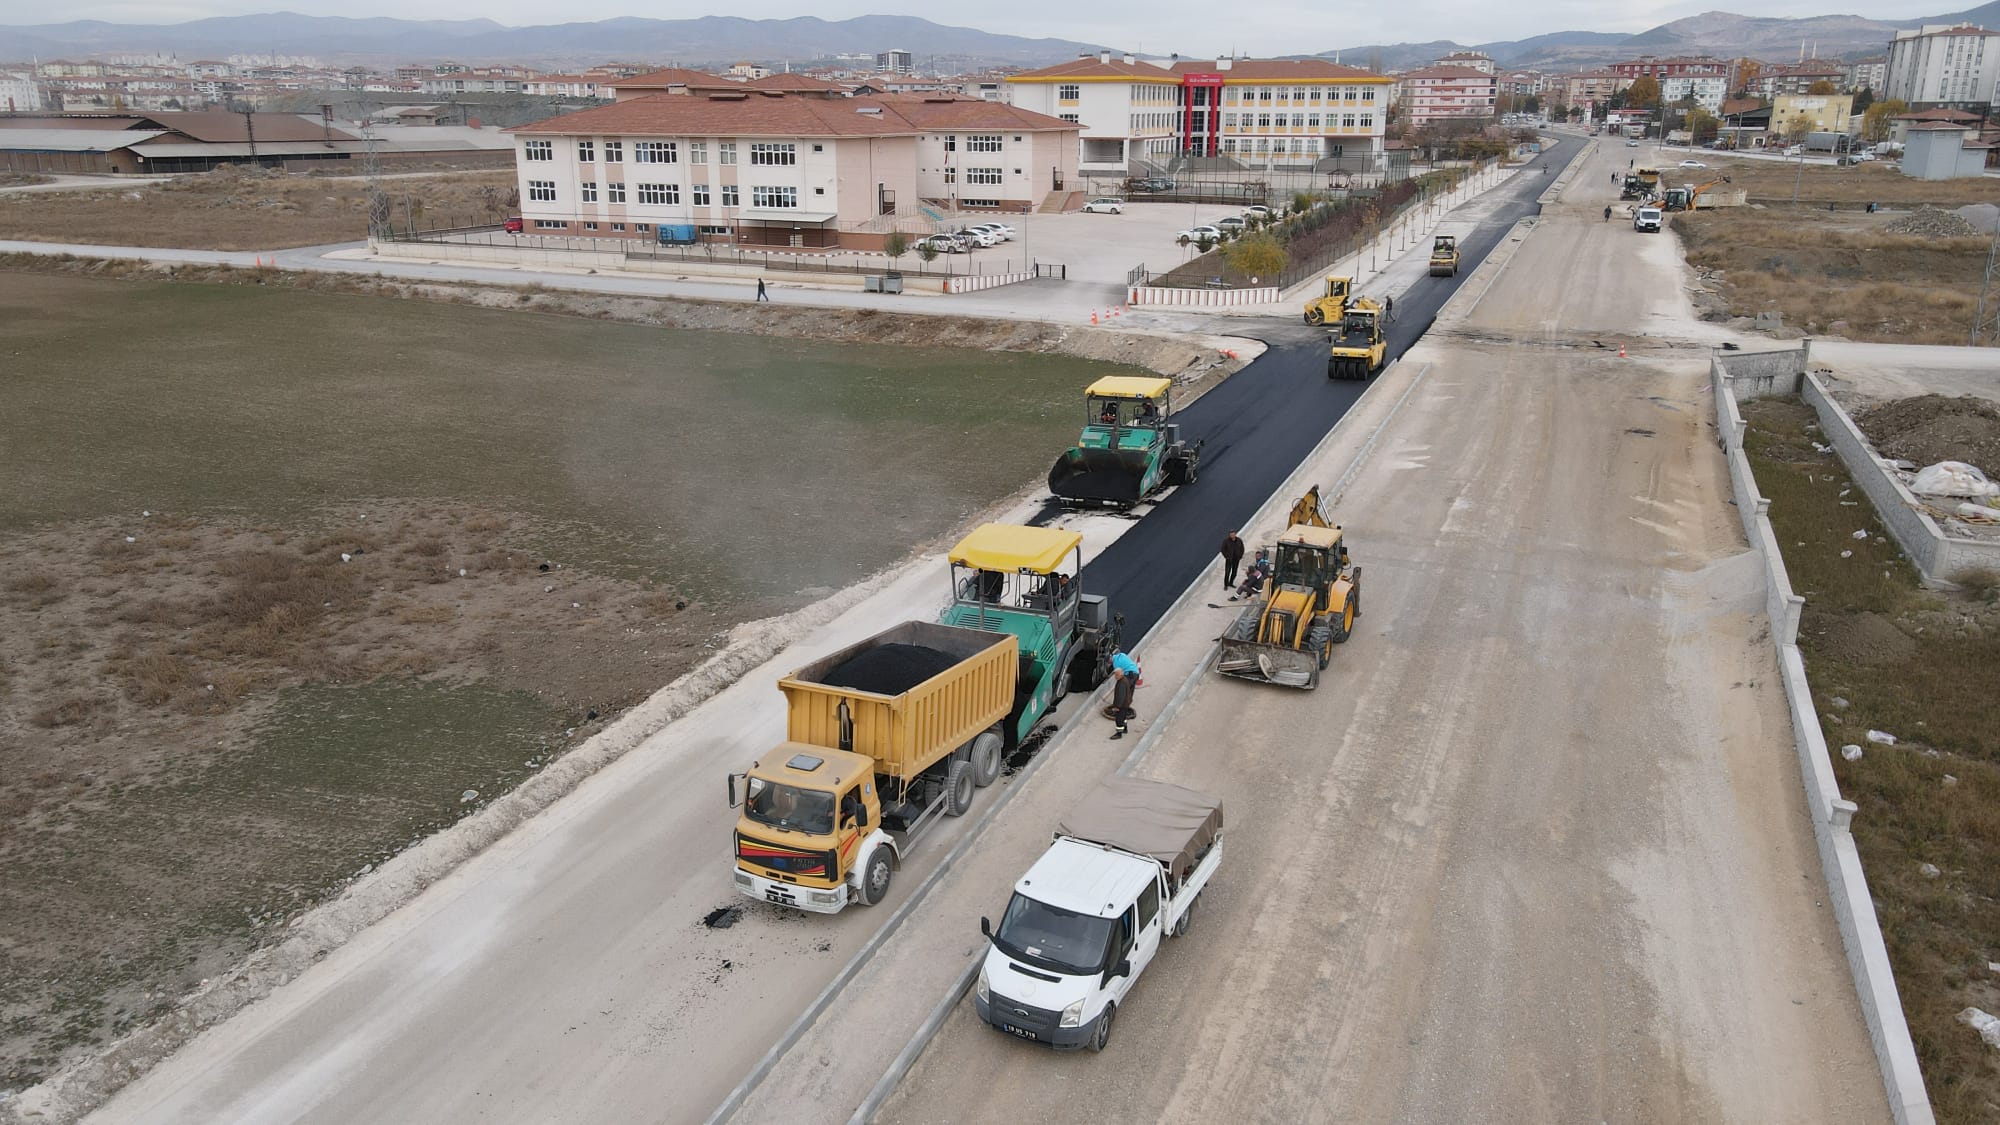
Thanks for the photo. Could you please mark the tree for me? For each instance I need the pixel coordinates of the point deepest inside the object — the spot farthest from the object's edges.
(1747, 73)
(1797, 128)
(1875, 122)
(1644, 92)
(1702, 125)
(1257, 255)
(1533, 104)
(1822, 87)
(928, 251)
(1863, 98)
(1575, 113)
(896, 245)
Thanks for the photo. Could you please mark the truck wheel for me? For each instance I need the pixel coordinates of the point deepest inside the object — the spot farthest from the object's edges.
(1343, 623)
(1103, 1036)
(1319, 639)
(1187, 918)
(986, 758)
(875, 876)
(958, 789)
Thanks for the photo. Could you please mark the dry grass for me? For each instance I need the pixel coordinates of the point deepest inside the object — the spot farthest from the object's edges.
(24, 179)
(234, 209)
(1884, 654)
(1826, 183)
(1838, 273)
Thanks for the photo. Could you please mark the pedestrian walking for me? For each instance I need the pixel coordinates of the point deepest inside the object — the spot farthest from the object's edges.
(1607, 214)
(762, 293)
(1232, 557)
(1124, 682)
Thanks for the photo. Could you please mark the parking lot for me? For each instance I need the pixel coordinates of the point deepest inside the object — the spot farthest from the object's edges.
(1104, 248)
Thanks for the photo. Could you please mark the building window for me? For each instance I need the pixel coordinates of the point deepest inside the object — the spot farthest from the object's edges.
(1298, 120)
(643, 228)
(1368, 95)
(713, 230)
(1367, 121)
(614, 152)
(725, 152)
(1264, 95)
(1068, 93)
(951, 143)
(586, 151)
(819, 148)
(660, 195)
(776, 197)
(774, 152)
(699, 195)
(538, 150)
(1263, 121)
(1070, 117)
(551, 224)
(950, 174)
(982, 143)
(542, 191)
(590, 226)
(979, 203)
(1347, 121)
(618, 226)
(614, 193)
(1312, 120)
(656, 152)
(589, 190)
(982, 176)
(697, 152)
(729, 198)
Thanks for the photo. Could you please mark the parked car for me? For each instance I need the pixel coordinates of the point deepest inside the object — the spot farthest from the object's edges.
(1001, 232)
(1105, 206)
(1795, 150)
(1693, 164)
(978, 236)
(1196, 234)
(1155, 183)
(1233, 224)
(942, 243)
(512, 225)
(1258, 211)
(1631, 144)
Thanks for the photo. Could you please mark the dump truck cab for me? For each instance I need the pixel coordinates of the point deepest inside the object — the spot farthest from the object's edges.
(1357, 349)
(1444, 256)
(1307, 606)
(1331, 304)
(1129, 447)
(1027, 582)
(805, 810)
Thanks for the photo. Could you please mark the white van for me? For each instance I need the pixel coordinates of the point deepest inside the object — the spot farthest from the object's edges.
(1647, 219)
(1122, 876)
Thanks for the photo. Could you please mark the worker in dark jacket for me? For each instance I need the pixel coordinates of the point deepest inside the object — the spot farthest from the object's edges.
(1232, 557)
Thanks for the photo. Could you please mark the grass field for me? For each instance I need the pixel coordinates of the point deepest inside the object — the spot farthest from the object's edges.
(235, 209)
(1839, 273)
(284, 574)
(1885, 654)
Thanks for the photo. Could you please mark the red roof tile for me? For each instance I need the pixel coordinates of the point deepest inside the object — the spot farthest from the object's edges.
(756, 114)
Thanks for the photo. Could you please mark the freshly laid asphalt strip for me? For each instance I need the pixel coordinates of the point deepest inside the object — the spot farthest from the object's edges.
(1261, 422)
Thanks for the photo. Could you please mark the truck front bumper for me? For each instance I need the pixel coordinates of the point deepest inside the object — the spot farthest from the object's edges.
(819, 900)
(1035, 1025)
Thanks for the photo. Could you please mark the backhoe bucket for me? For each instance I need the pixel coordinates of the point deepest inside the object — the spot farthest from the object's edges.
(1100, 476)
(1244, 656)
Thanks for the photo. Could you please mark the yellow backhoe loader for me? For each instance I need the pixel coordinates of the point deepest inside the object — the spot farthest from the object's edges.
(1308, 605)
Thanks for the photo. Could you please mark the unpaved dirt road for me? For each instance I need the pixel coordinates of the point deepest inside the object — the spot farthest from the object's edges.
(1536, 849)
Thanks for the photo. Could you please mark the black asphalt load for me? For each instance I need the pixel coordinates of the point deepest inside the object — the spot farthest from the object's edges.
(1262, 422)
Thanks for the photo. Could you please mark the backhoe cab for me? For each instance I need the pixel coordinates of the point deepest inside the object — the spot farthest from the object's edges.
(1307, 606)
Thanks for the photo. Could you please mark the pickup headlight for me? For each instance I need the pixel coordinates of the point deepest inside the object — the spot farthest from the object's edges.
(980, 988)
(1072, 1015)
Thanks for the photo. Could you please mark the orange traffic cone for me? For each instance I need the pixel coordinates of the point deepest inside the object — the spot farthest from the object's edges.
(1093, 316)
(1621, 351)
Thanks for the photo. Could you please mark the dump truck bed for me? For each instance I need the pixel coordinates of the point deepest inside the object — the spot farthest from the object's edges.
(913, 694)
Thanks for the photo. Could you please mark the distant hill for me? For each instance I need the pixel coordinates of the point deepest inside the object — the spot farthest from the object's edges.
(1723, 34)
(708, 40)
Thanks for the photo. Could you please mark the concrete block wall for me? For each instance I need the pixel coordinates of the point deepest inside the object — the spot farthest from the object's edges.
(1832, 815)
(1164, 295)
(1936, 554)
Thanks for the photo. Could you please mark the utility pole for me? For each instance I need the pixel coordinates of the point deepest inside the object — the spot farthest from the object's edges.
(1987, 316)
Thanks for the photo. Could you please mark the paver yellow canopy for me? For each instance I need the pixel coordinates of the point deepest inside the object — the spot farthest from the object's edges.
(1010, 548)
(1128, 449)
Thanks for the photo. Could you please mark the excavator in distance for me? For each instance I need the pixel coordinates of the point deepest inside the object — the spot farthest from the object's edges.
(1307, 606)
(1687, 198)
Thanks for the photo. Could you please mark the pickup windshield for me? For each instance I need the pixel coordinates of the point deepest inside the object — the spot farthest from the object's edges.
(1053, 938)
(789, 807)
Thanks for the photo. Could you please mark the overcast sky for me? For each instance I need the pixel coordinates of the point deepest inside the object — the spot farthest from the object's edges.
(1153, 26)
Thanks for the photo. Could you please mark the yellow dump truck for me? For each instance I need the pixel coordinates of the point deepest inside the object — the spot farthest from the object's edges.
(882, 738)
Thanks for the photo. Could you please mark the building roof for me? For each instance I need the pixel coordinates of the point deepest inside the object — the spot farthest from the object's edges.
(1091, 66)
(1463, 72)
(68, 121)
(1939, 127)
(222, 127)
(800, 83)
(668, 78)
(1732, 107)
(73, 140)
(753, 113)
(1243, 70)
(1941, 113)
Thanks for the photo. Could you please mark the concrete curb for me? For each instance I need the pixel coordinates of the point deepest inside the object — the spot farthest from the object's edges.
(1832, 816)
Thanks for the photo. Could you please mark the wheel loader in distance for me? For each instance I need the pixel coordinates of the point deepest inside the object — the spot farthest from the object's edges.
(1357, 349)
(1129, 448)
(1330, 306)
(1308, 605)
(1444, 256)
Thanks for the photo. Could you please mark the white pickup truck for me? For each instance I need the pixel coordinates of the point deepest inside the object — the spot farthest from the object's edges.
(1122, 875)
(1646, 220)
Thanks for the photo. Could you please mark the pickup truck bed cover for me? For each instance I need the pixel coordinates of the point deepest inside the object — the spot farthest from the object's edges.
(1175, 826)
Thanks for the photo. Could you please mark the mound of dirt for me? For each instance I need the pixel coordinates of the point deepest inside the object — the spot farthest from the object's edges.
(1932, 428)
(1931, 222)
(1865, 638)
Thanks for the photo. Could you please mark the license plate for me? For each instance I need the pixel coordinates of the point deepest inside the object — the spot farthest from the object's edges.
(1019, 1032)
(780, 897)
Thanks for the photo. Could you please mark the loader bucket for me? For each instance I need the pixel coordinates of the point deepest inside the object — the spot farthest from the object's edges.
(1271, 664)
(1101, 476)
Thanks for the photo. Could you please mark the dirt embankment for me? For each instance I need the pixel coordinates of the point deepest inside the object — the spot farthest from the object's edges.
(1932, 428)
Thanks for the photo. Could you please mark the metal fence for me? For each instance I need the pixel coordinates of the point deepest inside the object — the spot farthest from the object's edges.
(978, 262)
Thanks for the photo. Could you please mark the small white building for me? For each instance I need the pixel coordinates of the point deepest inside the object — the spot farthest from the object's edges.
(1940, 150)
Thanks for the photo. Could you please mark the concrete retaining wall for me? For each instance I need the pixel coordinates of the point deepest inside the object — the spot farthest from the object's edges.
(1832, 816)
(1162, 295)
(976, 282)
(1936, 554)
(611, 259)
